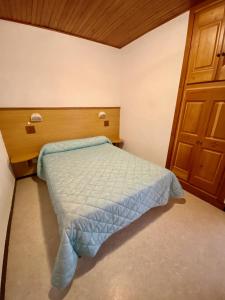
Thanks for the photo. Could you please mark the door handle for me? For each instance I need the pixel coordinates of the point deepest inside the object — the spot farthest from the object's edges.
(220, 54)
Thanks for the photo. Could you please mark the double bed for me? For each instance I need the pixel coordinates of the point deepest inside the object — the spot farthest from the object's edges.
(97, 189)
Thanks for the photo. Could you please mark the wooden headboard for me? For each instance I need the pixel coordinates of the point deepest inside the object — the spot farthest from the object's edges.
(58, 124)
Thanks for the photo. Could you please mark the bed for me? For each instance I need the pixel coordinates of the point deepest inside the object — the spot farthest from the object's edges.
(97, 189)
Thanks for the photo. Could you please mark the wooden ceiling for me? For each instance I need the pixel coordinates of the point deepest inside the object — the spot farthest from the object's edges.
(112, 22)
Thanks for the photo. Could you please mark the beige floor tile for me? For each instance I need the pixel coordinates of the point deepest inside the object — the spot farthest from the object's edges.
(172, 252)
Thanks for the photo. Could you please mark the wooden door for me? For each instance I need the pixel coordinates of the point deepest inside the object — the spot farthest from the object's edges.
(191, 123)
(206, 44)
(209, 161)
(220, 75)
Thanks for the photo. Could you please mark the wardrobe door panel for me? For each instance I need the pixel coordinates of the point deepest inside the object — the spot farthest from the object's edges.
(206, 44)
(192, 113)
(183, 156)
(190, 128)
(208, 169)
(216, 127)
(209, 163)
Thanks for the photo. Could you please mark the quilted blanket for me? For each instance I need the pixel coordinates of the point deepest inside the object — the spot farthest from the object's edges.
(97, 189)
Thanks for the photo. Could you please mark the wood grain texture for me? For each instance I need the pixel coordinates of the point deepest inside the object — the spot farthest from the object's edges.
(206, 43)
(197, 145)
(209, 164)
(115, 23)
(58, 124)
(202, 129)
(23, 157)
(202, 194)
(183, 79)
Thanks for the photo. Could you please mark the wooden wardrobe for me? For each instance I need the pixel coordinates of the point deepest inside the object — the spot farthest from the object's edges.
(197, 146)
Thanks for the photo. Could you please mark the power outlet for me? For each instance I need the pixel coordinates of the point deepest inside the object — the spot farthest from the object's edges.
(106, 123)
(30, 129)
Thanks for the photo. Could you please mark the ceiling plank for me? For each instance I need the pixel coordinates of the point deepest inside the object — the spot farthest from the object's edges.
(112, 22)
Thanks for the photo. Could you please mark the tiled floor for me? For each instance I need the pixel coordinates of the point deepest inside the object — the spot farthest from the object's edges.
(172, 252)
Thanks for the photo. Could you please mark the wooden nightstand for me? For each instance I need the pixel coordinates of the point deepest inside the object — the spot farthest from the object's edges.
(24, 164)
(118, 143)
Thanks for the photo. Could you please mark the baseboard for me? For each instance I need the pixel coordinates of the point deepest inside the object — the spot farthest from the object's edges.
(6, 250)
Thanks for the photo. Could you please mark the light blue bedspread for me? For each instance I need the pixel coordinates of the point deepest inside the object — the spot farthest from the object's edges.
(96, 189)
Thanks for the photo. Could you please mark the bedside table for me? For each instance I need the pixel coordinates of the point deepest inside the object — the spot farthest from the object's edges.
(24, 164)
(118, 143)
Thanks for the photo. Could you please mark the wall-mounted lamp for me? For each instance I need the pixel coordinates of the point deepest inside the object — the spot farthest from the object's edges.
(36, 117)
(102, 115)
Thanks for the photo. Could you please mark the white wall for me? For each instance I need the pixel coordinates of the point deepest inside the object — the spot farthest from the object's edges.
(7, 182)
(40, 67)
(151, 72)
